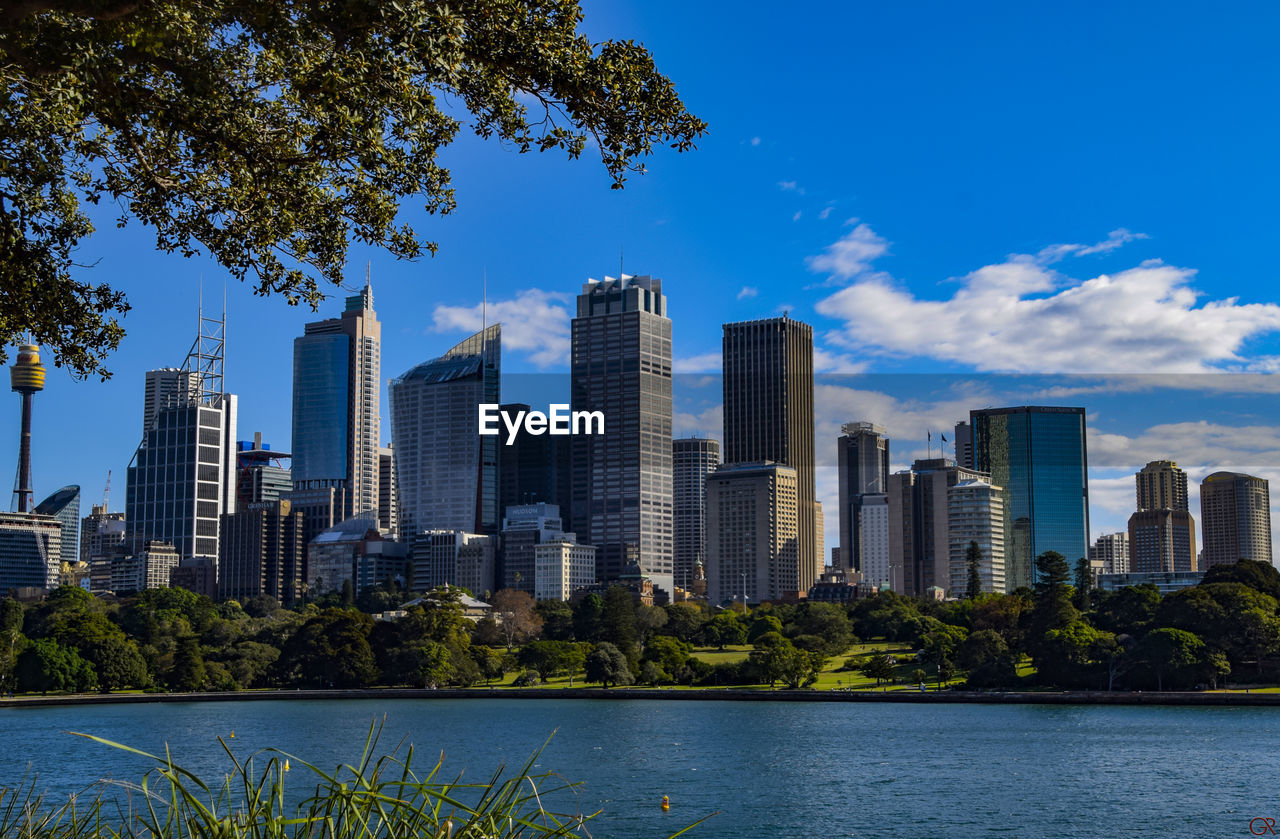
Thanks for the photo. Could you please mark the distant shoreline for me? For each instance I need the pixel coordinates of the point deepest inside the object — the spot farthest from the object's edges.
(710, 694)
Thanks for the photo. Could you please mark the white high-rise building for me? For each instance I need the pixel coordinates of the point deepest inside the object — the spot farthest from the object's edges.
(976, 513)
(1109, 553)
(873, 539)
(562, 566)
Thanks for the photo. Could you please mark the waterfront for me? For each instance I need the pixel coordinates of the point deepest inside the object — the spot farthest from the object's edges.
(771, 769)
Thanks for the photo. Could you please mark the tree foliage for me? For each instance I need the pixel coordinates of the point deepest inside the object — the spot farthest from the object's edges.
(271, 135)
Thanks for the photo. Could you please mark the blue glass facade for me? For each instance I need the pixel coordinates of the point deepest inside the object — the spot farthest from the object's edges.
(321, 402)
(1038, 455)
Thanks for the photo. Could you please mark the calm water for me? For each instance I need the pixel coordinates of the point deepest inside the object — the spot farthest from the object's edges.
(772, 769)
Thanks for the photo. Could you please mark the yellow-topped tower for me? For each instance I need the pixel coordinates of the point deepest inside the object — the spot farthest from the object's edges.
(26, 377)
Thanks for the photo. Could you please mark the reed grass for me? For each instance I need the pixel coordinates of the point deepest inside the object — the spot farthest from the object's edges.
(378, 797)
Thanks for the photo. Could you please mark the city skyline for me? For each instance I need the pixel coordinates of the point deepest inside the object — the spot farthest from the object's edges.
(1034, 213)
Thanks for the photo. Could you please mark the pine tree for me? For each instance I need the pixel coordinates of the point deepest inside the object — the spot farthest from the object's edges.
(973, 558)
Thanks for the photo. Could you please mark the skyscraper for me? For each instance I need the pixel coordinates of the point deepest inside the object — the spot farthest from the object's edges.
(446, 471)
(388, 503)
(534, 468)
(165, 388)
(30, 551)
(863, 457)
(1235, 511)
(692, 459)
(1038, 455)
(182, 477)
(919, 512)
(337, 369)
(768, 412)
(753, 533)
(262, 552)
(976, 515)
(64, 505)
(1162, 534)
(621, 365)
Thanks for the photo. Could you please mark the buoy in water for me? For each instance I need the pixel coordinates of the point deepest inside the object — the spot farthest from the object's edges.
(666, 803)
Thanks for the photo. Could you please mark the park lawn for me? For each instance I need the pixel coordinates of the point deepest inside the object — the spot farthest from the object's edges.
(731, 654)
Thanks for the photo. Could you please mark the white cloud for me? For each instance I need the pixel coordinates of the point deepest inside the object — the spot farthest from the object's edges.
(836, 363)
(704, 363)
(1021, 316)
(826, 211)
(748, 291)
(534, 322)
(797, 215)
(706, 423)
(789, 186)
(851, 254)
(1115, 239)
(755, 141)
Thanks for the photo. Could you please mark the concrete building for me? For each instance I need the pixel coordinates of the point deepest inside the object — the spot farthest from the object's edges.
(388, 503)
(976, 515)
(1110, 553)
(524, 527)
(692, 459)
(622, 479)
(150, 567)
(447, 473)
(873, 539)
(167, 387)
(337, 386)
(1162, 534)
(64, 505)
(454, 558)
(1235, 511)
(1038, 454)
(862, 454)
(753, 533)
(30, 551)
(963, 445)
(101, 537)
(262, 552)
(919, 536)
(561, 567)
(355, 550)
(261, 475)
(768, 415)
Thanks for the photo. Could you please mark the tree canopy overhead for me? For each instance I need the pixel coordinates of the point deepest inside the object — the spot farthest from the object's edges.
(272, 133)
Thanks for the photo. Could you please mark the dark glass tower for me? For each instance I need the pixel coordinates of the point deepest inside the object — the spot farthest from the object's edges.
(1038, 455)
(863, 456)
(64, 505)
(768, 413)
(337, 369)
(621, 365)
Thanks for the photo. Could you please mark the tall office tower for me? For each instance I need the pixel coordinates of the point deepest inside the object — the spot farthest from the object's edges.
(1235, 512)
(862, 454)
(919, 536)
(533, 468)
(621, 365)
(182, 477)
(976, 514)
(388, 513)
(820, 541)
(30, 551)
(455, 558)
(873, 540)
(262, 552)
(753, 533)
(1162, 534)
(337, 370)
(964, 445)
(166, 388)
(260, 472)
(101, 537)
(1110, 552)
(768, 411)
(1038, 455)
(447, 473)
(692, 459)
(64, 505)
(1161, 486)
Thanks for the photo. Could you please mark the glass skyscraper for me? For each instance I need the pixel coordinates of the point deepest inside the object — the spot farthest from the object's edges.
(621, 365)
(447, 472)
(1038, 455)
(64, 505)
(337, 369)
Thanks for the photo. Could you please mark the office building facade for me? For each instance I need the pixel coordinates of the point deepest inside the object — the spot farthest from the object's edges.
(1038, 455)
(862, 455)
(534, 468)
(561, 567)
(1110, 553)
(337, 386)
(919, 524)
(692, 460)
(262, 551)
(768, 414)
(1235, 511)
(1162, 533)
(753, 533)
(975, 515)
(454, 558)
(64, 505)
(620, 348)
(30, 551)
(446, 472)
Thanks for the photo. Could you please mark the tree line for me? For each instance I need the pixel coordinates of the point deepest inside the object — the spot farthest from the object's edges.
(1061, 633)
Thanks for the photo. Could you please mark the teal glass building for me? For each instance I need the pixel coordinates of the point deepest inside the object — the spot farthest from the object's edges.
(1038, 454)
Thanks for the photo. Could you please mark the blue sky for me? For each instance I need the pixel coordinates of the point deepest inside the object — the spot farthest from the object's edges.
(956, 190)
